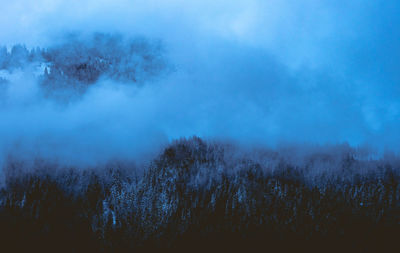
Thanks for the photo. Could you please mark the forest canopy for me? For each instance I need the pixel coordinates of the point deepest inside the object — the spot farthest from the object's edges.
(79, 61)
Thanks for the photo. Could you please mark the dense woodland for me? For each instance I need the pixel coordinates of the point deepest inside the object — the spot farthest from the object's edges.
(76, 62)
(207, 195)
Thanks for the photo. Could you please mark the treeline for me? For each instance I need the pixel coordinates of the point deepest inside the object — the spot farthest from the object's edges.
(19, 57)
(78, 61)
(206, 196)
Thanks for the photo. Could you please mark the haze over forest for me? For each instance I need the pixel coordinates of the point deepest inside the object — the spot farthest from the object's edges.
(126, 107)
(253, 71)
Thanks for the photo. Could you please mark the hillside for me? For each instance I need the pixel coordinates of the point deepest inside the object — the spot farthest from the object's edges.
(207, 195)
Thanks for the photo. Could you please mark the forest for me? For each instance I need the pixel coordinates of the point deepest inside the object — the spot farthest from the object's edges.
(207, 195)
(68, 68)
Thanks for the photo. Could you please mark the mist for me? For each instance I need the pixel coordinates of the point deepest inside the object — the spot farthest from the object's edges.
(256, 72)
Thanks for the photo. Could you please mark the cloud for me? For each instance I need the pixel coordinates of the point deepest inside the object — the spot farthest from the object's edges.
(256, 71)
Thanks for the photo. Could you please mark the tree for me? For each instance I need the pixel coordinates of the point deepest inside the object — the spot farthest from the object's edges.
(4, 57)
(19, 56)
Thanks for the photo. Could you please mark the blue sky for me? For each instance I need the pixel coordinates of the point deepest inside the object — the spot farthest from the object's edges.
(265, 71)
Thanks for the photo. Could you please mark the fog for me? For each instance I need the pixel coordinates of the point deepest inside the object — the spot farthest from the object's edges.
(257, 72)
